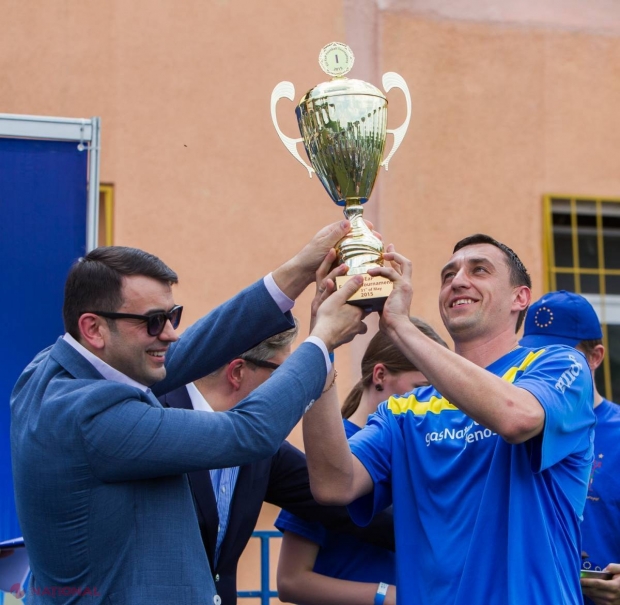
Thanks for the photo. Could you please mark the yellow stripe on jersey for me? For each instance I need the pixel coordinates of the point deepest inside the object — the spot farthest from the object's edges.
(511, 374)
(436, 405)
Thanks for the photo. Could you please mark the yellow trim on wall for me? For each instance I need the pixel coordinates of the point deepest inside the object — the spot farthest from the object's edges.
(106, 201)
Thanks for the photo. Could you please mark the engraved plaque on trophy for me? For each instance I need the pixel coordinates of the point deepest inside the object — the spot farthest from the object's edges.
(343, 126)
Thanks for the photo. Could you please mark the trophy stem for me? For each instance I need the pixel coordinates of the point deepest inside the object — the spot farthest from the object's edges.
(360, 249)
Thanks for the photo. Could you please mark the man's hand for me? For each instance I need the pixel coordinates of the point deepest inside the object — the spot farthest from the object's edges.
(324, 275)
(338, 322)
(603, 592)
(294, 276)
(397, 305)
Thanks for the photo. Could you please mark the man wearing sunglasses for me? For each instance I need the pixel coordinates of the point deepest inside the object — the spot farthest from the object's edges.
(99, 465)
(228, 501)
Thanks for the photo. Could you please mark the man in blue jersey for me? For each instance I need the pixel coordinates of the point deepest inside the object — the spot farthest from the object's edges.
(488, 470)
(569, 319)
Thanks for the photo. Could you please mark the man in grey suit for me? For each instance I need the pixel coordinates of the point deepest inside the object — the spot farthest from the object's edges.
(98, 463)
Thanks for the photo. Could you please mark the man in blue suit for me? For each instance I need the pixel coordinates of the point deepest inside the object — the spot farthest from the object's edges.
(99, 464)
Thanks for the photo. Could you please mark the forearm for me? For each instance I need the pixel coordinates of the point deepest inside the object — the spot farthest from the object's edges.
(327, 451)
(135, 440)
(310, 588)
(513, 413)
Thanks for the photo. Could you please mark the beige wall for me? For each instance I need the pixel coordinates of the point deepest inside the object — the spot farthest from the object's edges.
(511, 99)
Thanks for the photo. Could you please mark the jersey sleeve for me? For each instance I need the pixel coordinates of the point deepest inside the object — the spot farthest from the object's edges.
(372, 446)
(311, 530)
(561, 380)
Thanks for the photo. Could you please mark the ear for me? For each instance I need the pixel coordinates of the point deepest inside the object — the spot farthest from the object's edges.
(234, 373)
(378, 374)
(595, 357)
(93, 330)
(522, 298)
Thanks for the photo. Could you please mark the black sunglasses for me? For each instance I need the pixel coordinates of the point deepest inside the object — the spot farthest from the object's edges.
(155, 322)
(270, 365)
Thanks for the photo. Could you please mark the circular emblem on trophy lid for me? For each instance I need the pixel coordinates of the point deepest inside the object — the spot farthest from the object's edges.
(336, 59)
(543, 317)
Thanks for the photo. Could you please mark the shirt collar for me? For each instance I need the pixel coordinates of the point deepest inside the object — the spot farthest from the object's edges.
(198, 401)
(107, 371)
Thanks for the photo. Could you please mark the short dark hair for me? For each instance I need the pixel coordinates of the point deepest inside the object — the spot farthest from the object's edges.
(518, 273)
(95, 281)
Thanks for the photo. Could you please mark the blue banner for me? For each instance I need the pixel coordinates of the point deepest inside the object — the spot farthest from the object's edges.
(43, 201)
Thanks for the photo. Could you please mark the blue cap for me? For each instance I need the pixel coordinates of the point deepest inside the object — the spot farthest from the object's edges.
(560, 318)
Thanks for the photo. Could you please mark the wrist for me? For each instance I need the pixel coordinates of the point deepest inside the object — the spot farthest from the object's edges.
(382, 590)
(396, 325)
(390, 597)
(331, 381)
(293, 278)
(319, 331)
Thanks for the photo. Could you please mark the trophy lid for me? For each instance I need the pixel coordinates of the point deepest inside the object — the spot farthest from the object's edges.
(339, 87)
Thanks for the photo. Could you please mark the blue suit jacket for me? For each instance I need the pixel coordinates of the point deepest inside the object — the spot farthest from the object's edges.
(99, 466)
(281, 479)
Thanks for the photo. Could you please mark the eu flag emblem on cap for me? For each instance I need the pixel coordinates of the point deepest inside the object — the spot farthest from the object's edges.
(562, 318)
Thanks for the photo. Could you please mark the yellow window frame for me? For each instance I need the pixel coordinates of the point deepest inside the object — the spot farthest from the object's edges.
(551, 270)
(106, 215)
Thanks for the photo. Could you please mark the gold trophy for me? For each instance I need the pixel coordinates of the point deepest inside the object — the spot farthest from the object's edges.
(343, 125)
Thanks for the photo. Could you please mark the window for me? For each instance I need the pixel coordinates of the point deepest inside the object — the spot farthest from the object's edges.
(106, 215)
(582, 254)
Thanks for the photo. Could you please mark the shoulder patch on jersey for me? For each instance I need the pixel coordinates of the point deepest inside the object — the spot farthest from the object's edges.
(512, 373)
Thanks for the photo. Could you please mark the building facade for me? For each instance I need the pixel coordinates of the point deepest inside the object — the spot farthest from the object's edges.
(514, 132)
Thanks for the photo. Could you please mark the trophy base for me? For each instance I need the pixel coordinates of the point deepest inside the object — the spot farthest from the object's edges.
(373, 293)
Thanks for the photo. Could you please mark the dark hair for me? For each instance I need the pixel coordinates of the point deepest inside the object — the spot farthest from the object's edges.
(381, 349)
(95, 281)
(518, 273)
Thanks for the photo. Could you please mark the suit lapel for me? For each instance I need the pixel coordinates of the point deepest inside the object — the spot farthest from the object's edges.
(200, 481)
(79, 367)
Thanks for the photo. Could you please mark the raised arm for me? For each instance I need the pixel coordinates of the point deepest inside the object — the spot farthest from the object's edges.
(336, 476)
(512, 412)
(294, 276)
(131, 439)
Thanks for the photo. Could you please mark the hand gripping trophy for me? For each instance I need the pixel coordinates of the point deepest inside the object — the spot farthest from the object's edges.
(343, 125)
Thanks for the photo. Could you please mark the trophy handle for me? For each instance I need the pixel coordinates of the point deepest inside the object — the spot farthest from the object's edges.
(286, 89)
(393, 80)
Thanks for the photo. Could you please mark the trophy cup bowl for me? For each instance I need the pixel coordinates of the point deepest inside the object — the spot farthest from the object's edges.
(343, 126)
